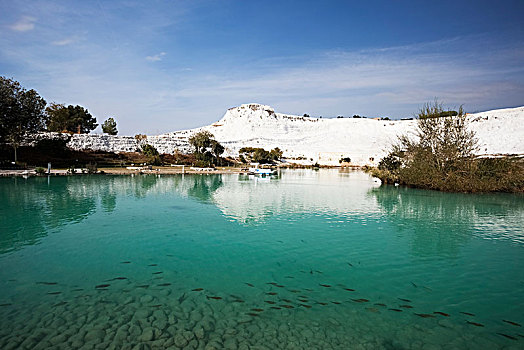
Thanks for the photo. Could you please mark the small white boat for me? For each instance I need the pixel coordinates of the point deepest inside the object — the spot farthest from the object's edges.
(256, 170)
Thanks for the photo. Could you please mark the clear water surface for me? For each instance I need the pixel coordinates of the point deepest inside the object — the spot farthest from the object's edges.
(309, 260)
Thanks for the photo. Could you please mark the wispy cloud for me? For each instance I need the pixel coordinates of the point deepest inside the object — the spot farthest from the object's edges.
(24, 24)
(156, 58)
(64, 42)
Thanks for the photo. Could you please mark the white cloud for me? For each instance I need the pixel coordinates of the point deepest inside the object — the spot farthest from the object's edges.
(156, 58)
(64, 42)
(24, 24)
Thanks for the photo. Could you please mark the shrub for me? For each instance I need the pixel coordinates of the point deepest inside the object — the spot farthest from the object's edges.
(40, 171)
(344, 160)
(91, 168)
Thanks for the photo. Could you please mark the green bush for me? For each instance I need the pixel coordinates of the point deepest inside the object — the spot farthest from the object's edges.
(40, 171)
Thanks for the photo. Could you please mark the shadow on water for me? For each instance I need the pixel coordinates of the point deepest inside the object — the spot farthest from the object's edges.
(439, 223)
(203, 187)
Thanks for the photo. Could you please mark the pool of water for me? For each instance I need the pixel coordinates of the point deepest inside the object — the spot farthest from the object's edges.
(308, 260)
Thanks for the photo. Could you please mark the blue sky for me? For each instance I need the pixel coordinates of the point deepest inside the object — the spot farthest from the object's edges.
(160, 66)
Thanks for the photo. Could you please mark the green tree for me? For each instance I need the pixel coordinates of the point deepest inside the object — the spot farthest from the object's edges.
(21, 113)
(151, 153)
(73, 119)
(109, 127)
(206, 149)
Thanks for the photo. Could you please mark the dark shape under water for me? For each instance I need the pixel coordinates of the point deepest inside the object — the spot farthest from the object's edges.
(276, 307)
(60, 303)
(361, 300)
(249, 284)
(269, 302)
(117, 279)
(197, 289)
(425, 315)
(54, 293)
(406, 300)
(257, 310)
(157, 305)
(507, 336)
(406, 306)
(164, 284)
(213, 297)
(380, 304)
(349, 289)
(47, 283)
(271, 293)
(287, 300)
(441, 313)
(324, 285)
(102, 286)
(126, 262)
(475, 324)
(6, 304)
(512, 323)
(321, 303)
(306, 306)
(350, 264)
(252, 314)
(238, 301)
(143, 286)
(467, 313)
(336, 302)
(288, 306)
(157, 273)
(396, 310)
(152, 265)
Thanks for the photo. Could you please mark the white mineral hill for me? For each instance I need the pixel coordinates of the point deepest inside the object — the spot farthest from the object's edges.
(310, 140)
(364, 141)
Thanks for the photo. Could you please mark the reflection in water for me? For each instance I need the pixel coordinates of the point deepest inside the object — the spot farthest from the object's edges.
(440, 223)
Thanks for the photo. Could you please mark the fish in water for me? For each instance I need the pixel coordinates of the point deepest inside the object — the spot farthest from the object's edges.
(303, 300)
(414, 285)
(182, 298)
(276, 307)
(289, 277)
(288, 306)
(306, 306)
(6, 304)
(406, 306)
(249, 284)
(54, 293)
(117, 279)
(78, 289)
(361, 300)
(143, 286)
(212, 297)
(278, 285)
(271, 293)
(294, 291)
(349, 289)
(350, 264)
(157, 273)
(102, 286)
(126, 262)
(425, 315)
(507, 336)
(512, 323)
(475, 324)
(396, 310)
(158, 305)
(406, 300)
(60, 303)
(238, 301)
(47, 283)
(170, 255)
(307, 289)
(164, 284)
(441, 313)
(321, 303)
(197, 289)
(381, 304)
(257, 310)
(152, 265)
(372, 309)
(325, 285)
(467, 313)
(273, 283)
(269, 302)
(336, 302)
(280, 241)
(252, 314)
(287, 300)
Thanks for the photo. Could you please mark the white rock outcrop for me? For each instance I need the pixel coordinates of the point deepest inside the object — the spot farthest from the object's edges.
(310, 140)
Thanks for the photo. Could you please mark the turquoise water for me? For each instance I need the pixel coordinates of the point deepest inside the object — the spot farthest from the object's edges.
(309, 260)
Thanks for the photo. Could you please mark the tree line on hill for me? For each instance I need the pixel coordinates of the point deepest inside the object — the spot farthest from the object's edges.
(24, 113)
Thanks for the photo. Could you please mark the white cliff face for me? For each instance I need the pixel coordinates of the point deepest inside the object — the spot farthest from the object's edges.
(310, 140)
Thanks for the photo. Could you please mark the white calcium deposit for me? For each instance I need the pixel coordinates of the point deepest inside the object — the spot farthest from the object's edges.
(310, 140)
